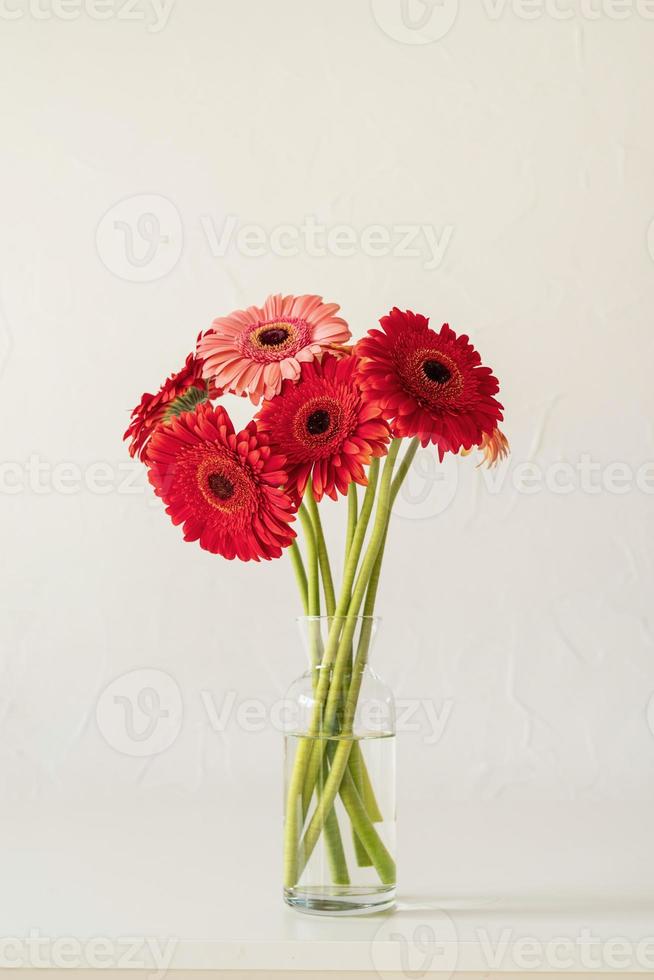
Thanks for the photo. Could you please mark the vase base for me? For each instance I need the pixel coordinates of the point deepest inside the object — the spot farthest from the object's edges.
(340, 899)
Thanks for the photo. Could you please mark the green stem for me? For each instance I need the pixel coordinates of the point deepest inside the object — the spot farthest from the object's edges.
(313, 594)
(310, 761)
(323, 557)
(398, 480)
(315, 723)
(357, 768)
(309, 590)
(334, 841)
(300, 576)
(361, 584)
(339, 764)
(312, 561)
(365, 789)
(295, 804)
(403, 467)
(339, 778)
(365, 830)
(352, 513)
(357, 764)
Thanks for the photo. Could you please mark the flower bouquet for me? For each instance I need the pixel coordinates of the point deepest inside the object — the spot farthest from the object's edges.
(327, 412)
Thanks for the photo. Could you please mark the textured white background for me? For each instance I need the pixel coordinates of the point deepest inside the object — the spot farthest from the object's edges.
(525, 144)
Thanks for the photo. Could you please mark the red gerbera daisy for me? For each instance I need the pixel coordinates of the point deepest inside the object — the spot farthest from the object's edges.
(324, 428)
(223, 486)
(431, 385)
(180, 392)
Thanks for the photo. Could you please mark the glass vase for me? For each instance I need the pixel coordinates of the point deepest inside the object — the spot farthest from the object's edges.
(339, 816)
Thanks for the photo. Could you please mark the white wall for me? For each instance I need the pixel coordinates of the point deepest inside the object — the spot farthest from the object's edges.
(526, 147)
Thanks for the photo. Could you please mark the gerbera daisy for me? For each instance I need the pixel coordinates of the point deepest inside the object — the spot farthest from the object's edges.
(494, 447)
(180, 392)
(323, 427)
(431, 385)
(222, 486)
(252, 351)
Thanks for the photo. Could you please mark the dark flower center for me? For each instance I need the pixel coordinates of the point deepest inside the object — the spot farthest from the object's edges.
(436, 371)
(318, 422)
(273, 337)
(220, 486)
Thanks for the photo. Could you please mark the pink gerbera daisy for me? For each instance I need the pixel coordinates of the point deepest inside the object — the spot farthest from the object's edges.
(252, 351)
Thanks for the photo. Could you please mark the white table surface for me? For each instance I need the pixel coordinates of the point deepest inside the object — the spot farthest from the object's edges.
(202, 884)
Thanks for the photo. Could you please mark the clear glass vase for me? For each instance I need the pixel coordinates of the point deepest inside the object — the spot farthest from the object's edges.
(339, 817)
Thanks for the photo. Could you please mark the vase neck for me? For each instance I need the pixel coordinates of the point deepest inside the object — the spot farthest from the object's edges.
(330, 640)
